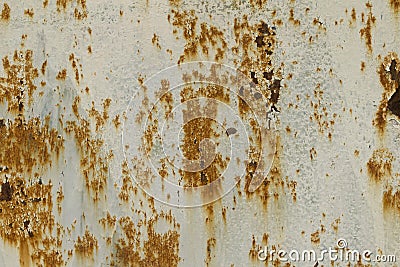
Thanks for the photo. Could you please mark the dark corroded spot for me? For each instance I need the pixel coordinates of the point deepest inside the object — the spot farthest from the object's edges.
(394, 103)
(230, 131)
(6, 192)
(257, 95)
(260, 41)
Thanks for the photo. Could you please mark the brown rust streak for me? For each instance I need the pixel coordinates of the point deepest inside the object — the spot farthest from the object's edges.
(380, 164)
(395, 4)
(5, 12)
(366, 32)
(93, 159)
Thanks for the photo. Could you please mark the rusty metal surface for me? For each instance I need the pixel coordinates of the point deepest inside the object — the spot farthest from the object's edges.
(184, 133)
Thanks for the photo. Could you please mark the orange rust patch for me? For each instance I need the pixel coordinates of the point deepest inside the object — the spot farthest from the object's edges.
(27, 145)
(366, 32)
(86, 245)
(208, 37)
(160, 249)
(5, 12)
(19, 80)
(199, 129)
(380, 164)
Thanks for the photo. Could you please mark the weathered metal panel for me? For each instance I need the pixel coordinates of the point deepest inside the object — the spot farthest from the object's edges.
(184, 133)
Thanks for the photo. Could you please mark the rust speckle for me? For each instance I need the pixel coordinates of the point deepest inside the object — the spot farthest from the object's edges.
(80, 11)
(5, 13)
(29, 12)
(45, 3)
(353, 14)
(315, 238)
(155, 41)
(62, 75)
(362, 66)
(258, 3)
(380, 164)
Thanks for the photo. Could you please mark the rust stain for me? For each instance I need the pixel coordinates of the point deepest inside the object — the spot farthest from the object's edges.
(395, 4)
(210, 254)
(380, 164)
(366, 32)
(5, 12)
(28, 145)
